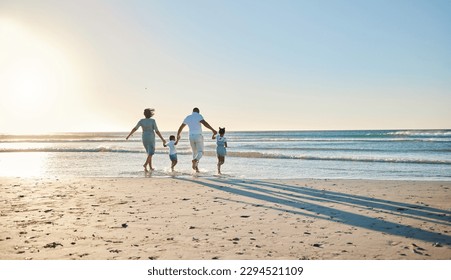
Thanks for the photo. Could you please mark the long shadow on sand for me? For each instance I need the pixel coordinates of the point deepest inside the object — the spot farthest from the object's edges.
(306, 201)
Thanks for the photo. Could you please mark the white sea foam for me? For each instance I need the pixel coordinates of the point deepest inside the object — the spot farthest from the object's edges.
(422, 133)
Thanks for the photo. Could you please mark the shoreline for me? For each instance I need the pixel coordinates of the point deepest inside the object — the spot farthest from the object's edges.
(224, 177)
(206, 218)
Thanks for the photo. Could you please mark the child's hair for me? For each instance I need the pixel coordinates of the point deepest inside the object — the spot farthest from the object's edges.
(222, 130)
(172, 138)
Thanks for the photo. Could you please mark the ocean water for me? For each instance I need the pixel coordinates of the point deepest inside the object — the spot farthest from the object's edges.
(363, 154)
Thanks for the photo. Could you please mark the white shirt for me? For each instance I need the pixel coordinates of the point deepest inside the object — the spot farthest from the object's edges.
(171, 146)
(221, 140)
(193, 122)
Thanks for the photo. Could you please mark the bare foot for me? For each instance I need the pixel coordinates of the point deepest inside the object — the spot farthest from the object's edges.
(195, 164)
(145, 168)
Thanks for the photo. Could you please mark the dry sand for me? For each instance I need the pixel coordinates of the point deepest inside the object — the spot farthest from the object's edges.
(220, 218)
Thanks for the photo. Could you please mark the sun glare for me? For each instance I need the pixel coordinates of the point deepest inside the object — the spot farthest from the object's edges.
(33, 73)
(29, 85)
(23, 164)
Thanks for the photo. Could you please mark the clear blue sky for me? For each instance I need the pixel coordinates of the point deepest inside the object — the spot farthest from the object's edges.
(248, 65)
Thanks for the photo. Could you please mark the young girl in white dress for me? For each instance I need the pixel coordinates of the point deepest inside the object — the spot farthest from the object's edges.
(221, 145)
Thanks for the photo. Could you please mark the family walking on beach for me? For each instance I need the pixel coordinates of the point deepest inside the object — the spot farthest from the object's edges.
(196, 139)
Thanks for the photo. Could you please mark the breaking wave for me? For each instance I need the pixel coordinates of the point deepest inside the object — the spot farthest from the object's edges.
(231, 154)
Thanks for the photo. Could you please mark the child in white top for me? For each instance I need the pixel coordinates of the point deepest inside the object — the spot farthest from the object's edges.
(172, 151)
(221, 151)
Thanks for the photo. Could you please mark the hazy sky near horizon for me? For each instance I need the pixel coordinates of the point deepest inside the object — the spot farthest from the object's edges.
(248, 65)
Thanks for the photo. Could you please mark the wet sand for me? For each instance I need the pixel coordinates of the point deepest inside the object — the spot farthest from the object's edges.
(221, 218)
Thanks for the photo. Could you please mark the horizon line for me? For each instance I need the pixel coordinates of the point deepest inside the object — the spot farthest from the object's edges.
(269, 130)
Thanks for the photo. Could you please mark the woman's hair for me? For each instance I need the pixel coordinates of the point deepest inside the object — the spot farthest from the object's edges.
(148, 112)
(221, 130)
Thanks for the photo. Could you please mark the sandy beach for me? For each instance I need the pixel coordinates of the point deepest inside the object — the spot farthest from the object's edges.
(222, 218)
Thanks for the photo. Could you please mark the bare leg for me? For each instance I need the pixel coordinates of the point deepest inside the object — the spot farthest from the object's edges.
(195, 165)
(220, 162)
(219, 165)
(174, 163)
(148, 162)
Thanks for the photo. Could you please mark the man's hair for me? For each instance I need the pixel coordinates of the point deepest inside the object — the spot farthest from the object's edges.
(196, 110)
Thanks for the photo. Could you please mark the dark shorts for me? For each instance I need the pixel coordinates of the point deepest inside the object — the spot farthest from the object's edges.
(173, 157)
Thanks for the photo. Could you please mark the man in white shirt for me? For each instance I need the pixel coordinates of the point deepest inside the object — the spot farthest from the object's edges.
(194, 122)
